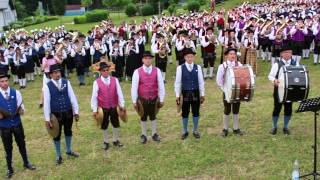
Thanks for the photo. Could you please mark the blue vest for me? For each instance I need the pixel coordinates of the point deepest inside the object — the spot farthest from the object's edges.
(11, 107)
(60, 101)
(96, 56)
(190, 80)
(41, 51)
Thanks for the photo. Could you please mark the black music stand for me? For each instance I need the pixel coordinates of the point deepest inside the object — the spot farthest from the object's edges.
(312, 105)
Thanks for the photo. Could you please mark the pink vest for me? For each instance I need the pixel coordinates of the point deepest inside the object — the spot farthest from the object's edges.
(148, 84)
(107, 94)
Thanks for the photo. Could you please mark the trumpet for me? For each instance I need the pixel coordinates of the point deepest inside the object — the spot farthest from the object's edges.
(162, 50)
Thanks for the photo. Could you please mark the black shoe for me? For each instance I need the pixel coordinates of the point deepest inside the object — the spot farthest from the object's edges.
(286, 131)
(40, 106)
(273, 131)
(59, 161)
(224, 133)
(196, 134)
(117, 143)
(156, 137)
(30, 167)
(205, 78)
(105, 146)
(184, 136)
(210, 78)
(238, 132)
(10, 173)
(143, 139)
(72, 154)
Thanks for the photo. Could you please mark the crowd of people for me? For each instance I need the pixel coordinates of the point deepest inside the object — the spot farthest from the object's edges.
(281, 32)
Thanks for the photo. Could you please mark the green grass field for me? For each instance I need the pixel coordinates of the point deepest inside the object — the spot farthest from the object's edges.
(256, 155)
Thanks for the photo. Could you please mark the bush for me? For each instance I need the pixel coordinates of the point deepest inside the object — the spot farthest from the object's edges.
(180, 11)
(131, 10)
(80, 20)
(97, 15)
(31, 20)
(193, 6)
(147, 10)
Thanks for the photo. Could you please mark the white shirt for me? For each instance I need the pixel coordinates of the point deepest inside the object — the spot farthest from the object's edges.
(178, 82)
(47, 99)
(95, 89)
(221, 72)
(275, 68)
(135, 84)
(18, 96)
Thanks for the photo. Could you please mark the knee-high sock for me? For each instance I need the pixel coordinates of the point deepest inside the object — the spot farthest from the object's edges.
(258, 53)
(195, 123)
(163, 75)
(263, 55)
(205, 70)
(298, 59)
(144, 128)
(57, 148)
(315, 58)
(273, 60)
(15, 78)
(170, 59)
(68, 143)
(211, 71)
(275, 121)
(225, 122)
(269, 56)
(235, 121)
(24, 81)
(20, 82)
(154, 127)
(105, 136)
(31, 76)
(303, 53)
(185, 125)
(286, 120)
(307, 53)
(115, 134)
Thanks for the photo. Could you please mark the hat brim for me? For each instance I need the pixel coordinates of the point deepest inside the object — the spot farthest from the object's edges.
(189, 53)
(148, 55)
(54, 71)
(5, 76)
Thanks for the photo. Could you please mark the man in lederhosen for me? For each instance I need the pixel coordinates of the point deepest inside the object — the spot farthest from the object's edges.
(107, 94)
(316, 33)
(231, 60)
(147, 87)
(190, 84)
(209, 42)
(60, 100)
(286, 60)
(10, 125)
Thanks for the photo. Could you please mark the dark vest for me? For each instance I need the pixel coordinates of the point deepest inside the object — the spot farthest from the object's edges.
(10, 106)
(60, 101)
(190, 80)
(280, 64)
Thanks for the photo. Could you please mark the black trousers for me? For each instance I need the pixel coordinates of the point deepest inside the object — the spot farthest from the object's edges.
(6, 136)
(278, 106)
(65, 119)
(228, 106)
(191, 99)
(209, 59)
(110, 115)
(149, 108)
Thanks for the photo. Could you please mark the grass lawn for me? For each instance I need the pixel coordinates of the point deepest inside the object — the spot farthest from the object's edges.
(256, 155)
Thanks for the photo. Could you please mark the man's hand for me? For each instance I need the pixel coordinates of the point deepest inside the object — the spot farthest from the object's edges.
(122, 108)
(135, 106)
(178, 100)
(161, 104)
(48, 124)
(202, 99)
(76, 117)
(276, 82)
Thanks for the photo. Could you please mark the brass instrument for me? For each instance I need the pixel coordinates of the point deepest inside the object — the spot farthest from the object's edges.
(282, 27)
(212, 39)
(162, 49)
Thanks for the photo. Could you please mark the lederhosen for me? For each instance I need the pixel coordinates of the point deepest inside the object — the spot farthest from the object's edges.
(161, 63)
(276, 48)
(61, 107)
(21, 69)
(190, 91)
(288, 41)
(118, 61)
(87, 59)
(251, 56)
(3, 68)
(180, 55)
(96, 56)
(209, 54)
(228, 106)
(41, 55)
(80, 63)
(277, 104)
(266, 43)
(132, 62)
(109, 114)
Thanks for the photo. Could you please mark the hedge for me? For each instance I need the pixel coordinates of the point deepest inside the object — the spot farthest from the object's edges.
(97, 15)
(80, 20)
(147, 10)
(193, 6)
(28, 21)
(131, 10)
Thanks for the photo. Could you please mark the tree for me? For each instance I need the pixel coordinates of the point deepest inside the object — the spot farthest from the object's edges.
(30, 6)
(20, 9)
(86, 3)
(58, 7)
(116, 3)
(96, 4)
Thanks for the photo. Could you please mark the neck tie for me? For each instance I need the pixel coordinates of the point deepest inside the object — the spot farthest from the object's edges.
(6, 95)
